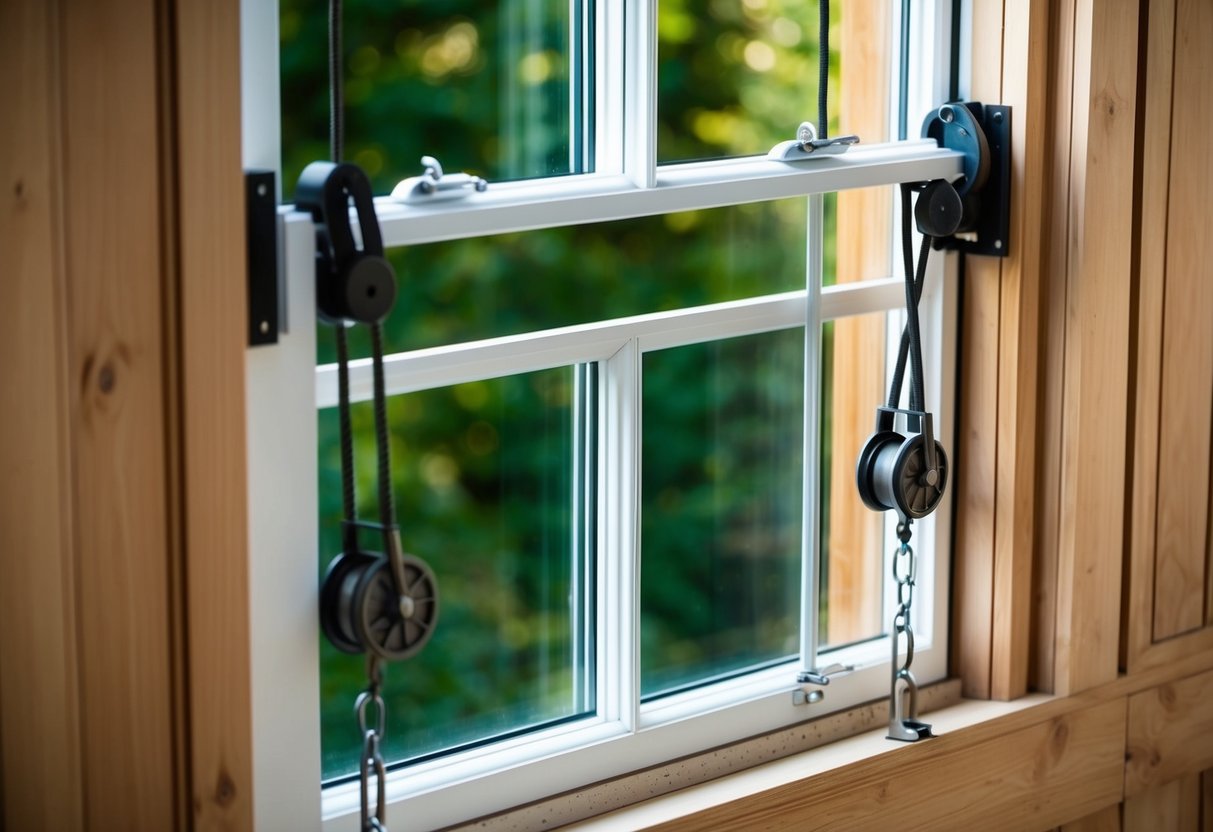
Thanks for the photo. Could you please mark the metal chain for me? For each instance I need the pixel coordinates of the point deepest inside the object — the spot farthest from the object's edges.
(371, 761)
(903, 716)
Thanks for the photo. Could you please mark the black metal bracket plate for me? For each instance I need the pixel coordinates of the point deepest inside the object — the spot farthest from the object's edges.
(261, 227)
(992, 236)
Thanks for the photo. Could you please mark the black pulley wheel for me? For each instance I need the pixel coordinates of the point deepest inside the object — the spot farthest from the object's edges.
(911, 493)
(395, 626)
(337, 600)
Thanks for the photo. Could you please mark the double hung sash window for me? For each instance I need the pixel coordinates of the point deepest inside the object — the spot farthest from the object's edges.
(615, 393)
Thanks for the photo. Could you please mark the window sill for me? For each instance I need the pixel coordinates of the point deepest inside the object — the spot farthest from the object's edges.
(858, 758)
(703, 774)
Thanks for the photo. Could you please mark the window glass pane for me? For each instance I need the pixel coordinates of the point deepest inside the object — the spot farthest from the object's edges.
(852, 570)
(483, 85)
(485, 287)
(721, 508)
(488, 494)
(736, 77)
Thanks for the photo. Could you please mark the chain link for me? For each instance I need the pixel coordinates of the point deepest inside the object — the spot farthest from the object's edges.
(372, 728)
(903, 720)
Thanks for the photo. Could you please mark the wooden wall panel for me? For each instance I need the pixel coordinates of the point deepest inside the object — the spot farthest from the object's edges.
(1138, 619)
(1170, 733)
(1106, 819)
(117, 371)
(39, 684)
(1206, 801)
(975, 455)
(1096, 351)
(209, 213)
(1187, 337)
(1167, 600)
(1173, 807)
(1024, 88)
(1055, 211)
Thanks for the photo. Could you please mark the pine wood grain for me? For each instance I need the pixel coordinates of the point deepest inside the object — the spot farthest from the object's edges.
(117, 371)
(975, 457)
(1055, 210)
(1138, 620)
(1187, 337)
(1170, 732)
(1024, 88)
(39, 684)
(1106, 819)
(211, 332)
(1206, 801)
(1173, 806)
(1096, 356)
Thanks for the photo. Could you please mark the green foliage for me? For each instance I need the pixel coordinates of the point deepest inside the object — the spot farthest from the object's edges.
(481, 471)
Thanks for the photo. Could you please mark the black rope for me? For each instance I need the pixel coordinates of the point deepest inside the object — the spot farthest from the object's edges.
(336, 84)
(349, 502)
(387, 511)
(911, 340)
(823, 67)
(349, 499)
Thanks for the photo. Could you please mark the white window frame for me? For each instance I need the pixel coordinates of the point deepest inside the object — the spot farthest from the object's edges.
(284, 387)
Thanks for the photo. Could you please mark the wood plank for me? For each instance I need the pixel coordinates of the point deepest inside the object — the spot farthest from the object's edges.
(1206, 801)
(1055, 208)
(1024, 82)
(1095, 399)
(973, 575)
(1042, 775)
(975, 456)
(1187, 348)
(117, 370)
(41, 775)
(1170, 732)
(1173, 806)
(1106, 819)
(855, 547)
(212, 301)
(1138, 621)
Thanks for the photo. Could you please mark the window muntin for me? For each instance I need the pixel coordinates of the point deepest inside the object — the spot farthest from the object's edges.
(508, 284)
(443, 791)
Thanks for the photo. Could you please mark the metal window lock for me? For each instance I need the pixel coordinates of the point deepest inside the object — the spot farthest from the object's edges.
(806, 145)
(816, 678)
(433, 185)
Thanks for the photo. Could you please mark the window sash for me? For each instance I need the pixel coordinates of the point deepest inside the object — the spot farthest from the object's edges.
(284, 383)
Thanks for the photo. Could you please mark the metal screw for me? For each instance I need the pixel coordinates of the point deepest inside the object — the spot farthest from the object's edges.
(262, 190)
(265, 327)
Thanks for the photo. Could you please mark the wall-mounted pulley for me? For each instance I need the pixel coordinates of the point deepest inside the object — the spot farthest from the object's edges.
(903, 467)
(384, 603)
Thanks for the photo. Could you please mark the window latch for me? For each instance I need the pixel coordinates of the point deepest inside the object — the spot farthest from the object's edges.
(816, 678)
(433, 185)
(806, 145)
